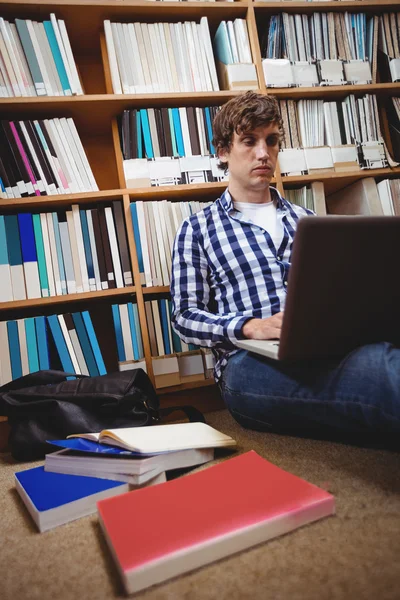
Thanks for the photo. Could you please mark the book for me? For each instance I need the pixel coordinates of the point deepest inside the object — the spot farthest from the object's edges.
(53, 499)
(238, 503)
(162, 438)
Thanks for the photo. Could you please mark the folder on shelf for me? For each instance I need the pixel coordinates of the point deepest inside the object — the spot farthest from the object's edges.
(292, 161)
(237, 76)
(318, 159)
(345, 158)
(166, 371)
(278, 72)
(358, 71)
(331, 72)
(305, 73)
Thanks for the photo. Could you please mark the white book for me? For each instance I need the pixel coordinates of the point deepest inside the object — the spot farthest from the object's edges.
(156, 50)
(60, 44)
(191, 54)
(60, 260)
(23, 349)
(13, 55)
(185, 131)
(144, 242)
(183, 51)
(68, 342)
(126, 331)
(117, 33)
(81, 248)
(69, 182)
(48, 59)
(75, 83)
(178, 58)
(385, 196)
(14, 85)
(112, 236)
(153, 132)
(41, 182)
(209, 52)
(171, 57)
(143, 58)
(163, 57)
(74, 252)
(201, 54)
(137, 66)
(82, 154)
(165, 242)
(129, 59)
(78, 352)
(199, 57)
(3, 94)
(18, 282)
(16, 47)
(67, 257)
(7, 90)
(153, 245)
(47, 254)
(54, 255)
(35, 42)
(78, 169)
(202, 133)
(157, 328)
(150, 58)
(160, 246)
(5, 362)
(6, 293)
(32, 281)
(112, 58)
(23, 62)
(232, 41)
(54, 163)
(242, 37)
(93, 250)
(153, 275)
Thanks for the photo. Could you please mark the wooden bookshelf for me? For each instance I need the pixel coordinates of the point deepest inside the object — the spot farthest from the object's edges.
(96, 113)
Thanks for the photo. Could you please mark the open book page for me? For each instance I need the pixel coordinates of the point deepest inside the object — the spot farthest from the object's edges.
(163, 438)
(95, 437)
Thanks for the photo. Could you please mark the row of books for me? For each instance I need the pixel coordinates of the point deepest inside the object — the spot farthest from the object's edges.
(363, 197)
(389, 44)
(231, 42)
(63, 252)
(320, 49)
(154, 225)
(160, 57)
(36, 59)
(168, 146)
(43, 157)
(348, 129)
(67, 341)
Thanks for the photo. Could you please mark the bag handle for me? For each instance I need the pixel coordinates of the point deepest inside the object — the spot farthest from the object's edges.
(192, 413)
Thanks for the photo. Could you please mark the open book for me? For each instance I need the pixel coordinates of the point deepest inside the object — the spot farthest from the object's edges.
(161, 438)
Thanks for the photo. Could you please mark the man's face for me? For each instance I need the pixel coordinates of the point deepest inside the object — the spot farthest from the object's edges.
(252, 157)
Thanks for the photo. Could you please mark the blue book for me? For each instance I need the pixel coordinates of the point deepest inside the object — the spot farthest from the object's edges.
(164, 325)
(55, 50)
(60, 343)
(6, 293)
(93, 342)
(172, 128)
(88, 251)
(148, 146)
(31, 344)
(222, 46)
(136, 233)
(118, 333)
(14, 349)
(42, 343)
(132, 324)
(29, 255)
(139, 135)
(176, 341)
(209, 128)
(138, 330)
(53, 499)
(44, 281)
(60, 258)
(15, 257)
(178, 132)
(85, 344)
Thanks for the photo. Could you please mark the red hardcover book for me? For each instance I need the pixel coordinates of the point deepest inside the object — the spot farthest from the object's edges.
(158, 533)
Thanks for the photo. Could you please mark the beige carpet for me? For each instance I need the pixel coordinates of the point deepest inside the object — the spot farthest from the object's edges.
(354, 555)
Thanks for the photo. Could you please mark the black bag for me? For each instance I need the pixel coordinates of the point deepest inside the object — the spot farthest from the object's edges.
(46, 406)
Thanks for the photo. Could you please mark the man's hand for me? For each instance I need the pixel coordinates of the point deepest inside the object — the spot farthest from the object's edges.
(264, 329)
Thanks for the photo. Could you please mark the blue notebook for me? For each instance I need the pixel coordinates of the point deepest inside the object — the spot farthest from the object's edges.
(53, 499)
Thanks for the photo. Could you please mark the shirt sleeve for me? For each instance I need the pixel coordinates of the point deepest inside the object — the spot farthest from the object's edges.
(190, 291)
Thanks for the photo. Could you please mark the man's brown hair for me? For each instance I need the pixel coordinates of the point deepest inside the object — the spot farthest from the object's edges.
(242, 114)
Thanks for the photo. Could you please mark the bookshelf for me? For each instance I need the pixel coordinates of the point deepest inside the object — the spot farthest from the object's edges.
(95, 115)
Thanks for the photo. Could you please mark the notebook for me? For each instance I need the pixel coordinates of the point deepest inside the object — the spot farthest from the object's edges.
(343, 288)
(205, 516)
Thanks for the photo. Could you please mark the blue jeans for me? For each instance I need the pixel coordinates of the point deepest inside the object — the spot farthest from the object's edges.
(357, 397)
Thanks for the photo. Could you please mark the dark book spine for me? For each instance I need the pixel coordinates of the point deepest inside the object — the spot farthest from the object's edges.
(194, 135)
(160, 132)
(133, 142)
(122, 242)
(21, 174)
(99, 247)
(31, 159)
(167, 132)
(51, 180)
(106, 247)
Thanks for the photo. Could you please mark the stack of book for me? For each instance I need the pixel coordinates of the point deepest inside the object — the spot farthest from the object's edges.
(36, 59)
(97, 465)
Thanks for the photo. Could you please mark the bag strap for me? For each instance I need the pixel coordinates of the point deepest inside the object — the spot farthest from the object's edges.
(191, 412)
(43, 377)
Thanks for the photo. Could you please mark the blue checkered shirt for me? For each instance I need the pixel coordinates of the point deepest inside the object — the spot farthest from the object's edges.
(225, 271)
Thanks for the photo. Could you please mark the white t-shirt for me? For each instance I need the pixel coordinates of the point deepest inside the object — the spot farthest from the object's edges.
(265, 216)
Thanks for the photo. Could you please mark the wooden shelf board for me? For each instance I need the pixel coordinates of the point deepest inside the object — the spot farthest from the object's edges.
(40, 202)
(186, 386)
(310, 7)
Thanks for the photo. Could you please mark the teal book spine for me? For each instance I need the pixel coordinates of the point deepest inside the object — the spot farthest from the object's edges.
(164, 325)
(222, 46)
(60, 344)
(44, 281)
(118, 333)
(139, 135)
(42, 343)
(14, 349)
(172, 128)
(94, 343)
(138, 330)
(176, 342)
(60, 258)
(85, 344)
(178, 132)
(148, 146)
(31, 344)
(209, 129)
(132, 324)
(136, 234)
(86, 244)
(62, 73)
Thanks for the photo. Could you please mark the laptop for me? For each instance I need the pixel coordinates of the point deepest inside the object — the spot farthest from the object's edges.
(343, 288)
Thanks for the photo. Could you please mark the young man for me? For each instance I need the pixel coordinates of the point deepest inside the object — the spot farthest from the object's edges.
(229, 277)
